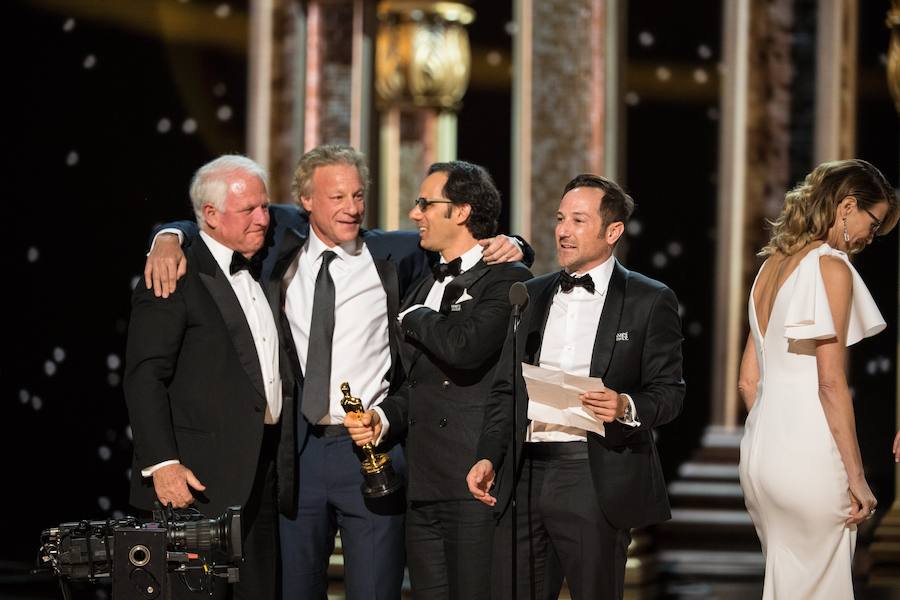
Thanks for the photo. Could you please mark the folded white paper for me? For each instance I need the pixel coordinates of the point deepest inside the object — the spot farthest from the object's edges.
(553, 397)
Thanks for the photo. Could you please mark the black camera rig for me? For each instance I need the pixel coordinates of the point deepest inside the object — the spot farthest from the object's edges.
(141, 556)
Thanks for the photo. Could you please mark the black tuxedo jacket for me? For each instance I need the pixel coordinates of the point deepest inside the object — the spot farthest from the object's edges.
(450, 357)
(637, 351)
(195, 391)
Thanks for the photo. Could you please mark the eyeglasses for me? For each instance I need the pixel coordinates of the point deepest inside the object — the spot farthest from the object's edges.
(876, 222)
(424, 203)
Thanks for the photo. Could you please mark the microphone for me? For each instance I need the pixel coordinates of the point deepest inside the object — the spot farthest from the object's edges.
(518, 297)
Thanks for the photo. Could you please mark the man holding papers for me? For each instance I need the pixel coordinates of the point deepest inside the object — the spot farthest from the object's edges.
(580, 489)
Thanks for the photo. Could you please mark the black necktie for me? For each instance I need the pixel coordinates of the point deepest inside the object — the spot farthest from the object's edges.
(567, 283)
(239, 262)
(442, 270)
(318, 354)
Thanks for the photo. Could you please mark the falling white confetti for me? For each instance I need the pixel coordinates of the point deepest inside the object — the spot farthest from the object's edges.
(632, 99)
(101, 594)
(712, 113)
(104, 453)
(674, 248)
(494, 58)
(128, 433)
(645, 38)
(59, 354)
(163, 125)
(635, 227)
(882, 59)
(135, 281)
(113, 362)
(884, 363)
(24, 396)
(113, 379)
(660, 260)
(189, 126)
(704, 52)
(37, 403)
(69, 25)
(90, 61)
(50, 368)
(511, 28)
(103, 502)
(694, 329)
(223, 10)
(700, 76)
(118, 514)
(663, 73)
(71, 159)
(32, 255)
(220, 89)
(224, 112)
(128, 474)
(872, 367)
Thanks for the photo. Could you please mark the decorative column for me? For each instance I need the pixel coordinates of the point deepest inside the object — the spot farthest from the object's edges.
(566, 101)
(309, 81)
(422, 65)
(885, 548)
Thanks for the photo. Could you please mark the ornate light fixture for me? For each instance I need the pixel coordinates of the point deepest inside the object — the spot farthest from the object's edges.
(422, 54)
(893, 66)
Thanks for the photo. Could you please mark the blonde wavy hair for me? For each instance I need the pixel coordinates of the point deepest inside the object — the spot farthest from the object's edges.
(810, 208)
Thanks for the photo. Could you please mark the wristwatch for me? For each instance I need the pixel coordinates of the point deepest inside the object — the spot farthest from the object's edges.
(628, 417)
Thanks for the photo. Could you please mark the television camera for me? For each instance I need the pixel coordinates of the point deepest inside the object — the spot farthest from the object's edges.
(142, 557)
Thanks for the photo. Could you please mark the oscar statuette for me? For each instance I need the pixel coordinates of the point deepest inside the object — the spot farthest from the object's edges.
(379, 478)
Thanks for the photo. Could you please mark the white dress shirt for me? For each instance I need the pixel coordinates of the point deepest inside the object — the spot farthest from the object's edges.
(568, 343)
(360, 348)
(256, 309)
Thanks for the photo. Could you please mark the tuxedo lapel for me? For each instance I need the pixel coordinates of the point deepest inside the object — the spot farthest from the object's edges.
(235, 321)
(418, 293)
(284, 269)
(534, 335)
(460, 284)
(605, 341)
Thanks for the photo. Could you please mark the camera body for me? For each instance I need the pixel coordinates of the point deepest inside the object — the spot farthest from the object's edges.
(142, 557)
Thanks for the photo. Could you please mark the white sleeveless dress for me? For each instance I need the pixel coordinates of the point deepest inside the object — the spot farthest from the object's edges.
(795, 485)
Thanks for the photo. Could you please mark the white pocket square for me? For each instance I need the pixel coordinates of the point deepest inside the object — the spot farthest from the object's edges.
(465, 296)
(622, 337)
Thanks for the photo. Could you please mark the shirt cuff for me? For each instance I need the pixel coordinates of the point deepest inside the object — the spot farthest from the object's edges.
(515, 241)
(633, 421)
(409, 310)
(150, 470)
(177, 232)
(385, 426)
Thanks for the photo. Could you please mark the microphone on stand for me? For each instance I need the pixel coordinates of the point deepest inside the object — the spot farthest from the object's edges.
(518, 297)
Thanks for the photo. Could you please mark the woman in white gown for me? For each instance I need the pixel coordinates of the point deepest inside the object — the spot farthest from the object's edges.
(801, 470)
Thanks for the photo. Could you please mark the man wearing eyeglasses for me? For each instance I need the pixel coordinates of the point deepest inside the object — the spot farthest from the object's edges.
(340, 293)
(454, 322)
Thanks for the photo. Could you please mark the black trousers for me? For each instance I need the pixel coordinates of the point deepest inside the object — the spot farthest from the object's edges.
(561, 531)
(448, 548)
(260, 573)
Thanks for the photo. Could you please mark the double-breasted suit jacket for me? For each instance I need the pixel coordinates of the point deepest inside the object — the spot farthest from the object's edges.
(194, 389)
(637, 351)
(450, 357)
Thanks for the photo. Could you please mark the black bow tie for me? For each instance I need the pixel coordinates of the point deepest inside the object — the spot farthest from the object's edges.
(253, 264)
(567, 283)
(452, 268)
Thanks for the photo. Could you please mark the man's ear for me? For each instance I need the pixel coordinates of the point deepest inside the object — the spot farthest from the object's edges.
(306, 203)
(614, 232)
(211, 215)
(463, 211)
